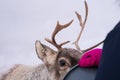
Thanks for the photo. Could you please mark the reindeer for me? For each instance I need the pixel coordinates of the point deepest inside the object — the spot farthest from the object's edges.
(56, 63)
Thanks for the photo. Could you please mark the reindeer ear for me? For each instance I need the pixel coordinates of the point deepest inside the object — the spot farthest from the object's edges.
(46, 54)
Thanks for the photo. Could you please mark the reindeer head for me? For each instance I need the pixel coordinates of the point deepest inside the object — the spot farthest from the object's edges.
(59, 62)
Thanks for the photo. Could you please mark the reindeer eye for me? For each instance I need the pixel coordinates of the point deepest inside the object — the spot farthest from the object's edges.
(62, 63)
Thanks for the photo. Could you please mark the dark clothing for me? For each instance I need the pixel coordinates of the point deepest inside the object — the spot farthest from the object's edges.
(109, 68)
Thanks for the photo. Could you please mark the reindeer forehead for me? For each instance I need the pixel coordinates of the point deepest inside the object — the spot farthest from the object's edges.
(69, 52)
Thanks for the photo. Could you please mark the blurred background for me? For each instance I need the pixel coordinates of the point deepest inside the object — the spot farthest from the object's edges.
(22, 22)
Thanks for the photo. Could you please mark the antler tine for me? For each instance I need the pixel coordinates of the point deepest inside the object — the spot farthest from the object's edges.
(93, 46)
(58, 28)
(82, 24)
(86, 15)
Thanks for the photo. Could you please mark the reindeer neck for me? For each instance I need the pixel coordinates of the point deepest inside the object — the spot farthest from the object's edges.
(44, 74)
(23, 72)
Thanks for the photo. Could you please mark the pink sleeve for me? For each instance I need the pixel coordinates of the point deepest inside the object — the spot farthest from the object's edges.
(90, 58)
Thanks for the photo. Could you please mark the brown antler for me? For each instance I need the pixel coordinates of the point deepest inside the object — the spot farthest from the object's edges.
(82, 24)
(58, 28)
